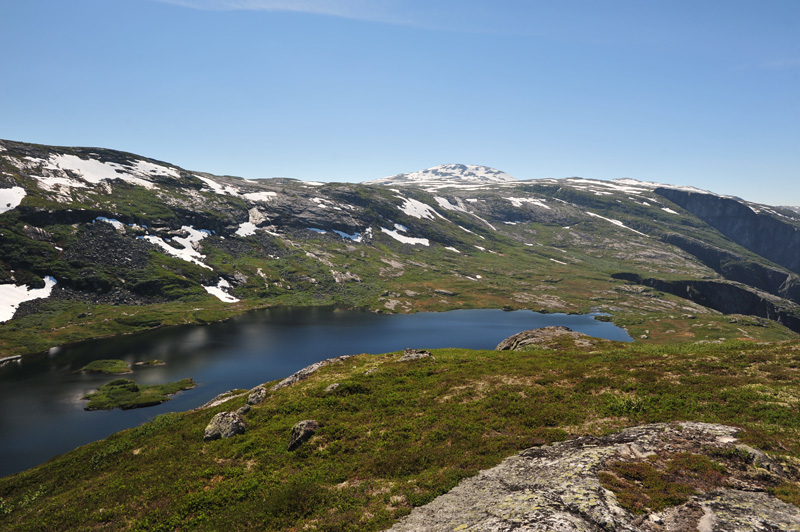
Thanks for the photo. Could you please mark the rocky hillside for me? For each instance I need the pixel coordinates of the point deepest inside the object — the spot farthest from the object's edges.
(98, 242)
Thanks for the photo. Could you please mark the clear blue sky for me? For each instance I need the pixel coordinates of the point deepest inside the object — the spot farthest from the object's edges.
(699, 92)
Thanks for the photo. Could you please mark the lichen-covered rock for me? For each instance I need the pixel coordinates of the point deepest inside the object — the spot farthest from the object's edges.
(224, 425)
(415, 354)
(302, 432)
(332, 387)
(558, 488)
(542, 337)
(243, 409)
(257, 395)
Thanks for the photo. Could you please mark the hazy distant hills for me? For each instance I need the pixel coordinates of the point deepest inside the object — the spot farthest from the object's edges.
(126, 242)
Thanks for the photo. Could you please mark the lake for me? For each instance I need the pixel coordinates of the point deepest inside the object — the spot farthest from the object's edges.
(41, 410)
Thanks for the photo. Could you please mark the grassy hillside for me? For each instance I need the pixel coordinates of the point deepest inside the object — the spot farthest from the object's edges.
(396, 434)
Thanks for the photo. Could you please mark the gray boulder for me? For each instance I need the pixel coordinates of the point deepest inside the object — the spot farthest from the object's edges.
(257, 395)
(415, 354)
(302, 432)
(224, 425)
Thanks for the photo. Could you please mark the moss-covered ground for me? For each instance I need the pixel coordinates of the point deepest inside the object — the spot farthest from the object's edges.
(395, 435)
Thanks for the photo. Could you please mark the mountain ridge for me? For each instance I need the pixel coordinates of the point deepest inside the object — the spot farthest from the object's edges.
(177, 238)
(111, 243)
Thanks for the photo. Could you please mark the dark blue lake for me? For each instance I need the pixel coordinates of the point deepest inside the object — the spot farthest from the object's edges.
(41, 410)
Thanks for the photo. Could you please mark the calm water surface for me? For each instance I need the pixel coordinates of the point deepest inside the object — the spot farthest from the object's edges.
(41, 411)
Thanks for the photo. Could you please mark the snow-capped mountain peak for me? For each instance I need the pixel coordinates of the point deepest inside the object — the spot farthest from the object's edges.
(447, 175)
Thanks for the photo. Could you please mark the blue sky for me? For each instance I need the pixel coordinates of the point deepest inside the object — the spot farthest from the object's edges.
(702, 93)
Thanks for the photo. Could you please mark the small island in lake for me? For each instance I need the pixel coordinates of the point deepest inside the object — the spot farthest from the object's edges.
(113, 367)
(126, 394)
(150, 363)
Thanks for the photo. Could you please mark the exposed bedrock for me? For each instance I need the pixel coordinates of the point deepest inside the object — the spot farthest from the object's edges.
(574, 486)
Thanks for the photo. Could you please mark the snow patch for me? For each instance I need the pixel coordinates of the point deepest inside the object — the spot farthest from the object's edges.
(615, 222)
(218, 187)
(355, 237)
(148, 168)
(406, 239)
(401, 227)
(667, 209)
(119, 226)
(558, 261)
(517, 202)
(188, 252)
(246, 229)
(260, 196)
(417, 209)
(451, 248)
(220, 293)
(317, 230)
(10, 198)
(11, 296)
(95, 171)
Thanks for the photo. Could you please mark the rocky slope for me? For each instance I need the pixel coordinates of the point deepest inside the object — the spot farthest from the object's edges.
(125, 240)
(569, 486)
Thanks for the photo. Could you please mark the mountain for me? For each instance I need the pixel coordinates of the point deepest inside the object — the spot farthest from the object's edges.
(447, 175)
(97, 242)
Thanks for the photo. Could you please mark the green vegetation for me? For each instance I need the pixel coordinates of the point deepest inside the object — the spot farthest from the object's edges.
(659, 484)
(395, 435)
(113, 367)
(125, 394)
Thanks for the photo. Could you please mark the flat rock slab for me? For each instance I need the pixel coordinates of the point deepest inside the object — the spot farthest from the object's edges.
(557, 488)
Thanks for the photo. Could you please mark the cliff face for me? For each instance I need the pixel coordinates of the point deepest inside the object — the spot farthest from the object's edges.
(763, 233)
(741, 269)
(724, 297)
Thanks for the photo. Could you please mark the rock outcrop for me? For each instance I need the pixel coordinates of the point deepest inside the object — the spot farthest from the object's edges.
(307, 371)
(568, 487)
(543, 337)
(302, 432)
(415, 354)
(257, 395)
(224, 425)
